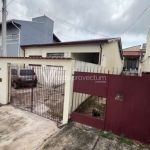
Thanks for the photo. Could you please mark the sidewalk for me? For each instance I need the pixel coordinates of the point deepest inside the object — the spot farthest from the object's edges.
(22, 130)
(77, 137)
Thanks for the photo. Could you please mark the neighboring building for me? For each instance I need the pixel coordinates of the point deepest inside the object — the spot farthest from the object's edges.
(145, 62)
(106, 52)
(144, 46)
(132, 57)
(20, 32)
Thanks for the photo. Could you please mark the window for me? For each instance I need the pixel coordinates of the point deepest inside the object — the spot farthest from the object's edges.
(35, 65)
(26, 72)
(38, 56)
(55, 54)
(14, 37)
(54, 66)
(131, 63)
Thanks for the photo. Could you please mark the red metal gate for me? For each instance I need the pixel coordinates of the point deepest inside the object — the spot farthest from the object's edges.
(127, 103)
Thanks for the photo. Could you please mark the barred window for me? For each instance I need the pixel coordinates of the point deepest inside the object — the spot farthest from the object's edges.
(55, 54)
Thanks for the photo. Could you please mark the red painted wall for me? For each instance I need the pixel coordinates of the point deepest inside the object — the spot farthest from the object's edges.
(131, 116)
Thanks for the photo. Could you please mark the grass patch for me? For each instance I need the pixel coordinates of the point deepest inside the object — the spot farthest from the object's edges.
(109, 135)
(122, 139)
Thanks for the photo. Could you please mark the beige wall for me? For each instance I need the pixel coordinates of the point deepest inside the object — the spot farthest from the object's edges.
(21, 52)
(72, 49)
(110, 56)
(34, 51)
(145, 65)
(61, 49)
(67, 64)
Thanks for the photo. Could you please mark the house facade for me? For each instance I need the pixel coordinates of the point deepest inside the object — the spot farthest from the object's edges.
(20, 32)
(132, 57)
(106, 52)
(145, 62)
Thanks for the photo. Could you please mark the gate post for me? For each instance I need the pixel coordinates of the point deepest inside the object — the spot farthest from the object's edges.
(32, 89)
(106, 103)
(68, 92)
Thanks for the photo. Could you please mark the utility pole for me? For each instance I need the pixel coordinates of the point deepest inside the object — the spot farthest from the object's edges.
(4, 28)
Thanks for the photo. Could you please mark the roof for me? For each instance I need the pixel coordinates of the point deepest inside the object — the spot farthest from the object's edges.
(131, 53)
(56, 38)
(133, 48)
(56, 57)
(93, 41)
(10, 21)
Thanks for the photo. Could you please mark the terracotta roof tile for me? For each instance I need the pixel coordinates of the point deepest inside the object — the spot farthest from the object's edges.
(134, 48)
(131, 53)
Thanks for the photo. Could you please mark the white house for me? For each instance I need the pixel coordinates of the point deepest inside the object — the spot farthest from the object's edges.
(105, 52)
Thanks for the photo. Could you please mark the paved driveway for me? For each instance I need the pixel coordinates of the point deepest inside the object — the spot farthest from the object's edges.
(21, 130)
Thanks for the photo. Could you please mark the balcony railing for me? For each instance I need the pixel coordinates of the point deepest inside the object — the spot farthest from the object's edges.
(125, 70)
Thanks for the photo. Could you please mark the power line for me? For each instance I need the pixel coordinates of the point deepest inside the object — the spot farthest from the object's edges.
(34, 26)
(135, 20)
(61, 33)
(7, 5)
(59, 20)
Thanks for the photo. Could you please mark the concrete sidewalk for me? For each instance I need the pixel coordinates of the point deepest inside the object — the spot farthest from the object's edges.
(75, 137)
(21, 130)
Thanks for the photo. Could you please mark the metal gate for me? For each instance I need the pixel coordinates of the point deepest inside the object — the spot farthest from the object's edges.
(123, 107)
(39, 90)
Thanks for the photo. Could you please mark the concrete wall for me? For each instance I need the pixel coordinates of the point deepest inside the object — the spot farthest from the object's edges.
(67, 65)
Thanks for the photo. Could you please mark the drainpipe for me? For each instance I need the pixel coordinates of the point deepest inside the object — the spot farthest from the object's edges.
(100, 55)
(19, 38)
(24, 52)
(24, 55)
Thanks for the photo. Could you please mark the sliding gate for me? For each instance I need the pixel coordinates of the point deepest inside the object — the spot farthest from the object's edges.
(39, 90)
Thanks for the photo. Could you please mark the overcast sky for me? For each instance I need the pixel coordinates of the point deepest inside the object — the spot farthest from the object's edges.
(104, 17)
